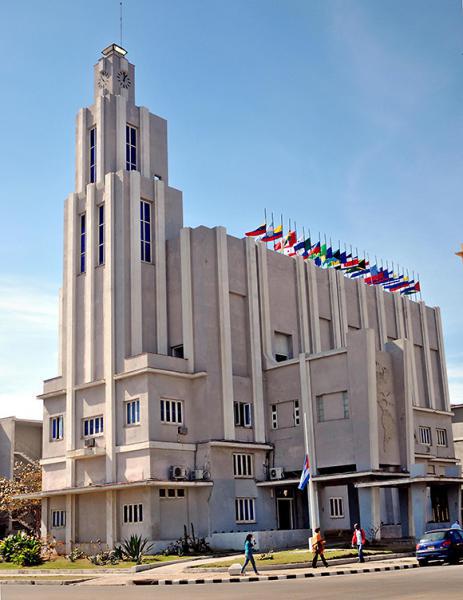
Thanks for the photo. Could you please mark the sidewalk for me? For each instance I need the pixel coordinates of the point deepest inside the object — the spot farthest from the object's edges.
(179, 574)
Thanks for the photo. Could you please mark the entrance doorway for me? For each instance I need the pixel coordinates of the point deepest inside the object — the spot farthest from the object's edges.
(285, 513)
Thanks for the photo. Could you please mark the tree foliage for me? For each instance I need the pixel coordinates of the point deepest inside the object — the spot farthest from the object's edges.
(27, 479)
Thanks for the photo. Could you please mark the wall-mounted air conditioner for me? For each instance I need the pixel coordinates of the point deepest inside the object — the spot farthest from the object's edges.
(177, 472)
(89, 443)
(276, 473)
(197, 475)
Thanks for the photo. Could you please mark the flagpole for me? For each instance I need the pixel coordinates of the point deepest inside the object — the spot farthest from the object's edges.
(310, 490)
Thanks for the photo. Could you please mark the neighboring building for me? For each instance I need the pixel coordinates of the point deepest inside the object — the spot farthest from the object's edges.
(189, 359)
(20, 442)
(457, 426)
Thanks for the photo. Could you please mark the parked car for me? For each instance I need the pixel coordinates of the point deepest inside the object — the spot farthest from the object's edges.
(441, 544)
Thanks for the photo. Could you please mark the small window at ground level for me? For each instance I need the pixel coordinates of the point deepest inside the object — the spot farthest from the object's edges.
(171, 492)
(336, 508)
(245, 511)
(58, 518)
(133, 513)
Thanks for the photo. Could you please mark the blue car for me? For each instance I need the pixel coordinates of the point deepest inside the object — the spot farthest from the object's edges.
(444, 545)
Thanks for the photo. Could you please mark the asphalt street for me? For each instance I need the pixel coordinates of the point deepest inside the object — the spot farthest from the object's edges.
(417, 584)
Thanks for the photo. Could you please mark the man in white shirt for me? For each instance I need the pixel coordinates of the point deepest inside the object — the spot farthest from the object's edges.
(456, 525)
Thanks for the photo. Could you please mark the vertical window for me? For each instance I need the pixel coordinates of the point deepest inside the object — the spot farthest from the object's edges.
(172, 411)
(130, 148)
(132, 412)
(345, 405)
(296, 413)
(82, 242)
(242, 465)
(101, 234)
(92, 426)
(336, 508)
(58, 518)
(92, 154)
(425, 435)
(442, 437)
(320, 409)
(133, 513)
(283, 346)
(274, 417)
(245, 511)
(145, 230)
(243, 414)
(57, 428)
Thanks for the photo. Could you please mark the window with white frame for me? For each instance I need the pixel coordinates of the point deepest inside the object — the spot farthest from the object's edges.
(132, 513)
(101, 234)
(442, 437)
(92, 426)
(320, 405)
(57, 428)
(130, 148)
(145, 230)
(425, 435)
(83, 234)
(245, 510)
(58, 518)
(242, 465)
(243, 414)
(172, 493)
(132, 412)
(296, 413)
(92, 154)
(336, 508)
(274, 416)
(171, 411)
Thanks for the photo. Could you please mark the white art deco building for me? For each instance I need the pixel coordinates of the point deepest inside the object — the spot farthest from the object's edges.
(184, 378)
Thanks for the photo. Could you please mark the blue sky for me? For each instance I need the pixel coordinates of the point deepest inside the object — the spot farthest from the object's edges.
(344, 115)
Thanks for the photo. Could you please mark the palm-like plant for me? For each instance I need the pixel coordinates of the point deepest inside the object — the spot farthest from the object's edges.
(135, 547)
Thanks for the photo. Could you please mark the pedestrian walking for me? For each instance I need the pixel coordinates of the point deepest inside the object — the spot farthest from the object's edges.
(249, 554)
(456, 525)
(318, 548)
(359, 539)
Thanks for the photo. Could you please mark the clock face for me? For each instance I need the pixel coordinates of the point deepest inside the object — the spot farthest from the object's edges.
(103, 80)
(124, 79)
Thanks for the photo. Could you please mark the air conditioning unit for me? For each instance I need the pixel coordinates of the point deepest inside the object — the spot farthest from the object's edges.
(89, 443)
(182, 430)
(276, 473)
(197, 475)
(177, 472)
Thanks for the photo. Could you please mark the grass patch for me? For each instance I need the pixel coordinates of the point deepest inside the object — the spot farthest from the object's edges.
(83, 563)
(289, 557)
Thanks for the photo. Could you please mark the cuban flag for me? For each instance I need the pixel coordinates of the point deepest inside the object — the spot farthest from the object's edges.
(305, 475)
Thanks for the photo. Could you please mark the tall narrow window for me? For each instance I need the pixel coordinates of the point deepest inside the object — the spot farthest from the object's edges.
(101, 234)
(145, 230)
(82, 242)
(92, 155)
(296, 413)
(130, 148)
(56, 428)
(274, 417)
(132, 412)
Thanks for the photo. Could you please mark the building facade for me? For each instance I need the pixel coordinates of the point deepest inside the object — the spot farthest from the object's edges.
(190, 360)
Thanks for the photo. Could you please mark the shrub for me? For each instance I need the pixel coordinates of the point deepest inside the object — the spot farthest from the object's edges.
(21, 549)
(135, 548)
(75, 554)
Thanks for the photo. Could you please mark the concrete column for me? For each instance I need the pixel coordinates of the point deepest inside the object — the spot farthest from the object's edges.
(302, 305)
(409, 334)
(255, 341)
(89, 293)
(109, 328)
(427, 355)
(70, 534)
(225, 333)
(313, 303)
(81, 150)
(61, 347)
(344, 326)
(111, 519)
(136, 309)
(381, 316)
(442, 361)
(334, 308)
(399, 316)
(370, 513)
(418, 499)
(121, 122)
(403, 507)
(363, 305)
(187, 297)
(161, 270)
(44, 519)
(100, 138)
(71, 251)
(264, 302)
(454, 500)
(144, 141)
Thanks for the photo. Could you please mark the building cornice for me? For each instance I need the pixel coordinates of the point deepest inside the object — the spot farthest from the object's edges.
(152, 371)
(433, 411)
(155, 445)
(410, 480)
(231, 444)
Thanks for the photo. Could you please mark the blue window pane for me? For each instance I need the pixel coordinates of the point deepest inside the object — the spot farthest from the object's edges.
(92, 426)
(147, 253)
(147, 212)
(101, 255)
(168, 412)
(101, 214)
(85, 427)
(141, 211)
(140, 512)
(127, 134)
(147, 237)
(133, 155)
(162, 410)
(101, 424)
(128, 413)
(92, 174)
(53, 429)
(127, 154)
(97, 425)
(138, 411)
(92, 155)
(82, 223)
(251, 510)
(133, 136)
(92, 137)
(179, 411)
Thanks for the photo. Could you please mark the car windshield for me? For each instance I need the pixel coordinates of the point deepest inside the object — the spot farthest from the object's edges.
(434, 536)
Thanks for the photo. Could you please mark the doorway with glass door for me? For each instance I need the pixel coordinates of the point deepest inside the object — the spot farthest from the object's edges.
(285, 508)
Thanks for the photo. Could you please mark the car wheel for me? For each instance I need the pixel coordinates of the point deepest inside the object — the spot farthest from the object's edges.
(423, 563)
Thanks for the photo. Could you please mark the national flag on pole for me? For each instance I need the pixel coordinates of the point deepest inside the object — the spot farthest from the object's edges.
(259, 231)
(272, 233)
(305, 475)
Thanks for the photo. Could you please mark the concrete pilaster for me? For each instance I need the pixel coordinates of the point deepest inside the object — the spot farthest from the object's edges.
(302, 306)
(363, 306)
(264, 302)
(111, 519)
(81, 150)
(161, 271)
(343, 322)
(418, 500)
(314, 312)
(442, 362)
(145, 159)
(381, 316)
(370, 512)
(427, 356)
(187, 297)
(409, 334)
(101, 105)
(136, 309)
(89, 300)
(44, 518)
(334, 308)
(121, 122)
(70, 522)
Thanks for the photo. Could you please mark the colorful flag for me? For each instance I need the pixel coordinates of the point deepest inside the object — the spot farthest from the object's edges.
(259, 231)
(272, 233)
(412, 289)
(304, 245)
(305, 475)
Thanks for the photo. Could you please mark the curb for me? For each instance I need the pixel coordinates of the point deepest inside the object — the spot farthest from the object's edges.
(41, 582)
(270, 577)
